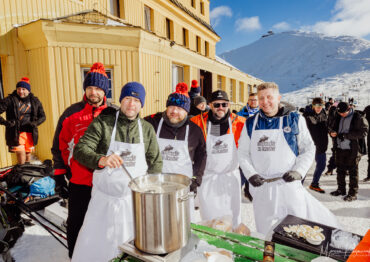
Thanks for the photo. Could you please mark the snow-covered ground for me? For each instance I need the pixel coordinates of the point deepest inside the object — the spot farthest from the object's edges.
(36, 245)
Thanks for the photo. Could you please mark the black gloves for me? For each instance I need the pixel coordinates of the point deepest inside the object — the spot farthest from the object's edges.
(291, 176)
(10, 123)
(341, 136)
(61, 186)
(256, 180)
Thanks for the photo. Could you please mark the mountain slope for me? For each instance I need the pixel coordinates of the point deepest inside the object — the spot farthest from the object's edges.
(297, 60)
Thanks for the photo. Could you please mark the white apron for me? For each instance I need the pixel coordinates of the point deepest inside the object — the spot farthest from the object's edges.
(272, 157)
(176, 159)
(220, 193)
(109, 218)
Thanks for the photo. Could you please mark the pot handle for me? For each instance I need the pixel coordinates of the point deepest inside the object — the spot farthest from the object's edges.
(186, 197)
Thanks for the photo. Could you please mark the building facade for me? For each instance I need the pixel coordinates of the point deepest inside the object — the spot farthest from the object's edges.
(156, 42)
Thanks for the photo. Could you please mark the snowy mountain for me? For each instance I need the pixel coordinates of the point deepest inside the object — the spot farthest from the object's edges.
(297, 60)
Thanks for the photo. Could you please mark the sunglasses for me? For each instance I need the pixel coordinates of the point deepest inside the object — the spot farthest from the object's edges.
(318, 105)
(177, 101)
(217, 105)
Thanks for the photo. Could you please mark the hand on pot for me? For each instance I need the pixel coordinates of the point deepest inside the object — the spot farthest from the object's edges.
(112, 161)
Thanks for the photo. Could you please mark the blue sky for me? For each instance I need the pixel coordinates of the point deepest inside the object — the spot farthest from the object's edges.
(241, 22)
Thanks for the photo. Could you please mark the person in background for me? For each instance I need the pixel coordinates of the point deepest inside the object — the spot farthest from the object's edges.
(367, 116)
(181, 142)
(329, 104)
(24, 113)
(200, 106)
(251, 108)
(194, 90)
(72, 124)
(348, 128)
(275, 144)
(332, 113)
(114, 138)
(316, 119)
(248, 111)
(220, 194)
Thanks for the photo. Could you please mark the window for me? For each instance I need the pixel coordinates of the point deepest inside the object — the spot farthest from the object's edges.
(177, 75)
(220, 82)
(206, 48)
(185, 37)
(1, 82)
(241, 92)
(169, 29)
(148, 13)
(202, 7)
(197, 43)
(250, 89)
(114, 6)
(193, 3)
(109, 73)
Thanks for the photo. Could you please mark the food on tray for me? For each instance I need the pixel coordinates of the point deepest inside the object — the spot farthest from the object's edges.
(242, 230)
(312, 235)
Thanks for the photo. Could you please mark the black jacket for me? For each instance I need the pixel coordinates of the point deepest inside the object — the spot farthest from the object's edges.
(317, 125)
(357, 132)
(196, 142)
(367, 116)
(10, 105)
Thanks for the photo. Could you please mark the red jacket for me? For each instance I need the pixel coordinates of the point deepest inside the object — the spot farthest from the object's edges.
(71, 126)
(237, 124)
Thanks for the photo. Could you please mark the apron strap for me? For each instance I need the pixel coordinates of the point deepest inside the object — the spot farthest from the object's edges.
(113, 137)
(255, 122)
(187, 133)
(159, 127)
(140, 131)
(281, 120)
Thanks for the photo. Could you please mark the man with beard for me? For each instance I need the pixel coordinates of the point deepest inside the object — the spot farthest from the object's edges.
(275, 153)
(71, 126)
(24, 112)
(181, 142)
(220, 192)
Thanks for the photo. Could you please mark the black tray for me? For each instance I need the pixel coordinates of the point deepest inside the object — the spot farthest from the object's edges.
(324, 249)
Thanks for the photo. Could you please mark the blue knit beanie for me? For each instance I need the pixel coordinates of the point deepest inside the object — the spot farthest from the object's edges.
(97, 77)
(134, 89)
(25, 83)
(180, 98)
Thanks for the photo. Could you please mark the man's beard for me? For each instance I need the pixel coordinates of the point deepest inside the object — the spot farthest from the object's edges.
(97, 100)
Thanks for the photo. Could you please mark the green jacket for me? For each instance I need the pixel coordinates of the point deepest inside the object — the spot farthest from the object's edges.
(95, 142)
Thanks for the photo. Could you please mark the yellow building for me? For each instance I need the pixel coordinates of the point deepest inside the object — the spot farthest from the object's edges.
(156, 42)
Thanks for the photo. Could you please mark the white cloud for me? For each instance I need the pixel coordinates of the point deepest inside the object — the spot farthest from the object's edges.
(218, 12)
(350, 17)
(282, 26)
(248, 24)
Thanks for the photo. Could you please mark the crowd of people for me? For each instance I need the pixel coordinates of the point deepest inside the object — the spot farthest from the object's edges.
(267, 146)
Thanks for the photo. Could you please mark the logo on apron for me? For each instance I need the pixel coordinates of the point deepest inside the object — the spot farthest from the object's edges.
(128, 158)
(287, 129)
(219, 147)
(168, 153)
(265, 145)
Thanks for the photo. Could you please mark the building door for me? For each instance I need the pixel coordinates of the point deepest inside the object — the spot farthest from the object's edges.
(206, 84)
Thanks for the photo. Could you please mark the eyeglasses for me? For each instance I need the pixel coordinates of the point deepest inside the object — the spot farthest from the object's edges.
(318, 105)
(177, 101)
(253, 100)
(217, 105)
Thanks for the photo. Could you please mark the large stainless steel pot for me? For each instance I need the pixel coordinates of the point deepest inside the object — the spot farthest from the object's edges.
(161, 212)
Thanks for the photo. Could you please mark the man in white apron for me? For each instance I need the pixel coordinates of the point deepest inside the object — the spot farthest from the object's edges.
(114, 138)
(181, 142)
(220, 193)
(276, 144)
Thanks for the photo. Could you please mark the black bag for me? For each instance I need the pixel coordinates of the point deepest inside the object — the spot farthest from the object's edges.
(26, 174)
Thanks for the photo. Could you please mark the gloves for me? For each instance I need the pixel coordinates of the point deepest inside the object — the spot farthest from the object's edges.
(194, 186)
(291, 176)
(10, 123)
(341, 136)
(256, 180)
(61, 186)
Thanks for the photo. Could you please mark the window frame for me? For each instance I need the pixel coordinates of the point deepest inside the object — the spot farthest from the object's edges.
(198, 43)
(185, 37)
(109, 72)
(178, 79)
(148, 22)
(169, 29)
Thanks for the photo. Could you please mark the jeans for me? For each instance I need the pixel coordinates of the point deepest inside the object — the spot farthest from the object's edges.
(320, 159)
